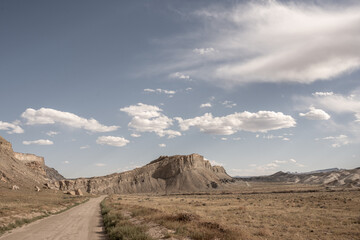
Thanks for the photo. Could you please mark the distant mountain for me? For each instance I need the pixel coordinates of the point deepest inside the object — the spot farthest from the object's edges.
(328, 177)
(180, 173)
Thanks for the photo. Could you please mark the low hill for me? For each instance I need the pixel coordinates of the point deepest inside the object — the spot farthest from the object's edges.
(335, 177)
(180, 173)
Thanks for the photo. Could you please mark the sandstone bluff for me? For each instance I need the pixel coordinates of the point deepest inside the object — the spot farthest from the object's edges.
(25, 170)
(189, 173)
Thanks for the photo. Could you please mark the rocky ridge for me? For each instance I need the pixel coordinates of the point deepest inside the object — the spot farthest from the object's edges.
(180, 173)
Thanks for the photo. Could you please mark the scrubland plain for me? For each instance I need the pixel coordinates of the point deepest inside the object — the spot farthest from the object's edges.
(261, 211)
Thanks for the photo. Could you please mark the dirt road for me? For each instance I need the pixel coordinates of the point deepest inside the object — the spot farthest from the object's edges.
(82, 222)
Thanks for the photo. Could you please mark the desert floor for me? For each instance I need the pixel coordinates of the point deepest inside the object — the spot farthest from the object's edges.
(257, 211)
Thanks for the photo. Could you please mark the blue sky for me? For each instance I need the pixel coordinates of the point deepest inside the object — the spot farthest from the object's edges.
(98, 87)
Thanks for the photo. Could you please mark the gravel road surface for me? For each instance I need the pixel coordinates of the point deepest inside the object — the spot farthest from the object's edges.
(82, 222)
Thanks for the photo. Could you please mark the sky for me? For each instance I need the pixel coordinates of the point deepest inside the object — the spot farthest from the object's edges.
(98, 87)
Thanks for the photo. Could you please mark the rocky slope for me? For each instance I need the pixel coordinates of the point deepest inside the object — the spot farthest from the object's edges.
(166, 174)
(343, 177)
(25, 170)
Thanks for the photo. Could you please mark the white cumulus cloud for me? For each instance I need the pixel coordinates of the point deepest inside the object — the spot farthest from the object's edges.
(315, 114)
(204, 105)
(149, 118)
(261, 121)
(142, 111)
(52, 116)
(11, 127)
(162, 145)
(112, 141)
(39, 142)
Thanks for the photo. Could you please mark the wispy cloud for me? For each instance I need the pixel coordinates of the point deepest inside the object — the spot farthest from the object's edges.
(337, 103)
(39, 142)
(228, 104)
(100, 164)
(52, 133)
(159, 90)
(337, 141)
(204, 51)
(263, 41)
(179, 75)
(321, 94)
(52, 116)
(162, 145)
(11, 127)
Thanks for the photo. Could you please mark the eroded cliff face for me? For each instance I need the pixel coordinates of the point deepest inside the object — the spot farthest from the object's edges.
(29, 158)
(36, 163)
(21, 168)
(166, 174)
(14, 171)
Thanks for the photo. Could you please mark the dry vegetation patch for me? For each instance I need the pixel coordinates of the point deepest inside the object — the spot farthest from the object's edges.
(118, 226)
(261, 213)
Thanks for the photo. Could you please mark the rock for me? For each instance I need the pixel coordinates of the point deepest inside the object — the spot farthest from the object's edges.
(78, 192)
(3, 178)
(14, 187)
(37, 189)
(53, 174)
(72, 193)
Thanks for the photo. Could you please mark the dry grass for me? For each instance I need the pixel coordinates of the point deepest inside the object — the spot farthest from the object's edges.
(292, 212)
(118, 226)
(20, 207)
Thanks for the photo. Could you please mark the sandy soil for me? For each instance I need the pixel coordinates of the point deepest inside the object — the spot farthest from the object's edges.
(83, 222)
